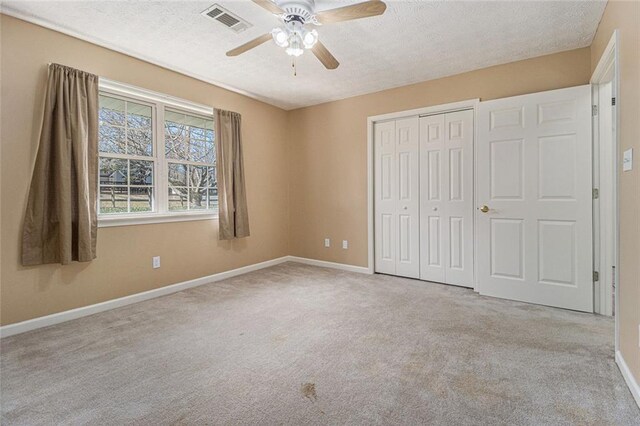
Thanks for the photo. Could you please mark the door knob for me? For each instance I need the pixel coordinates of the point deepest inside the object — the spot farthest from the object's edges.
(484, 209)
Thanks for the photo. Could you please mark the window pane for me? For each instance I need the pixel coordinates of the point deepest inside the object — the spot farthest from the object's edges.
(198, 182)
(141, 172)
(213, 198)
(174, 142)
(178, 198)
(111, 111)
(177, 174)
(212, 177)
(198, 177)
(113, 199)
(113, 171)
(201, 151)
(172, 116)
(189, 137)
(197, 198)
(140, 142)
(197, 132)
(138, 116)
(141, 199)
(111, 139)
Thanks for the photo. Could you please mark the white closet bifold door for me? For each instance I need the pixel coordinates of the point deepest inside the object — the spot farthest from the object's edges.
(396, 218)
(446, 198)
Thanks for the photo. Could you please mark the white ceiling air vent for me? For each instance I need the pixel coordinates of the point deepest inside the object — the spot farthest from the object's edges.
(228, 19)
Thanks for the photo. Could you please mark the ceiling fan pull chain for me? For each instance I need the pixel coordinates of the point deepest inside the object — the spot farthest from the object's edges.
(293, 65)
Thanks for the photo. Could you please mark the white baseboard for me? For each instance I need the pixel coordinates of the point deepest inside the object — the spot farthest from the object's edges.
(45, 321)
(57, 318)
(333, 265)
(628, 377)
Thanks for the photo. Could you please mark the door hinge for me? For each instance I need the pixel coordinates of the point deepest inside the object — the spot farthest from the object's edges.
(596, 276)
(613, 277)
(594, 110)
(596, 193)
(613, 101)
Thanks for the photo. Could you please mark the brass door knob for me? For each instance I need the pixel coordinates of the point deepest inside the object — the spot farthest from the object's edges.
(484, 209)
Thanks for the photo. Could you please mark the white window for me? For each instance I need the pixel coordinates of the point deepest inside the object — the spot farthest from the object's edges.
(191, 159)
(157, 158)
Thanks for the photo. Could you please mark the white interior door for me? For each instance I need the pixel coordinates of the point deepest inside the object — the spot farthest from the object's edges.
(534, 174)
(446, 198)
(396, 198)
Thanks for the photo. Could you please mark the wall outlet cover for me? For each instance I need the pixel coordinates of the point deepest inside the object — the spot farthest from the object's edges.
(327, 242)
(627, 160)
(156, 262)
(345, 244)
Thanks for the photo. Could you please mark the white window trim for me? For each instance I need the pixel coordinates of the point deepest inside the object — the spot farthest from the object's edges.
(144, 219)
(160, 172)
(151, 96)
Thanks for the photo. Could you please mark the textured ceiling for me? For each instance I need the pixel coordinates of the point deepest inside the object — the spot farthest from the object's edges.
(413, 41)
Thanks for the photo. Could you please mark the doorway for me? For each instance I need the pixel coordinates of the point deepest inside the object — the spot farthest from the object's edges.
(605, 122)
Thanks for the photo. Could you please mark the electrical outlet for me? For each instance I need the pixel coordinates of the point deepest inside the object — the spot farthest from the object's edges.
(345, 244)
(327, 242)
(156, 262)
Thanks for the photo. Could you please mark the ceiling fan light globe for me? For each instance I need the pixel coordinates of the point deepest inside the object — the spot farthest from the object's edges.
(310, 38)
(294, 51)
(280, 37)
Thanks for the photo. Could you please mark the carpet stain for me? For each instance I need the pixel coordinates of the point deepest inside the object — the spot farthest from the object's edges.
(280, 338)
(579, 415)
(309, 391)
(490, 393)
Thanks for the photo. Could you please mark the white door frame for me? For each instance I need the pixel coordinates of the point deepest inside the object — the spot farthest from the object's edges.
(436, 109)
(607, 71)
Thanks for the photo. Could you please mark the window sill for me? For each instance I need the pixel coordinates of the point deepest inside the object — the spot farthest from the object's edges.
(111, 221)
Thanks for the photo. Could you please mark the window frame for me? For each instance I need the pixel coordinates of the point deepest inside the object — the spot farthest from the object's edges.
(158, 102)
(133, 157)
(186, 163)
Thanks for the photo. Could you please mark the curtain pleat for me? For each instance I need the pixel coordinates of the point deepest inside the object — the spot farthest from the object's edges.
(232, 199)
(61, 219)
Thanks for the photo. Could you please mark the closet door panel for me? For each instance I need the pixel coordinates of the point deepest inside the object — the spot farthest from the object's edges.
(446, 198)
(396, 210)
(385, 197)
(432, 135)
(407, 205)
(458, 148)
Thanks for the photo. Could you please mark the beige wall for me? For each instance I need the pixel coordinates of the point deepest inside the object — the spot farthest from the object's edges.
(625, 16)
(188, 249)
(329, 146)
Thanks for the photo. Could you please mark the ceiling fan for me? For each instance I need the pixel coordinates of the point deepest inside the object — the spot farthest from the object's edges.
(293, 35)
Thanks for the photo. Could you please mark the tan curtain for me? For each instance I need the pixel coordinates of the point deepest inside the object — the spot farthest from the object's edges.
(232, 199)
(61, 221)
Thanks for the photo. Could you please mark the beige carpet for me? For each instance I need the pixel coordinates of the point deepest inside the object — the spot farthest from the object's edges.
(296, 344)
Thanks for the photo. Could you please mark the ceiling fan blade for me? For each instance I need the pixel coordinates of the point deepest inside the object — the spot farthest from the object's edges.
(355, 11)
(270, 6)
(250, 45)
(325, 56)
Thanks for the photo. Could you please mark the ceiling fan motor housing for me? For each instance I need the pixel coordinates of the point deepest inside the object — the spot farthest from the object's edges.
(297, 10)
